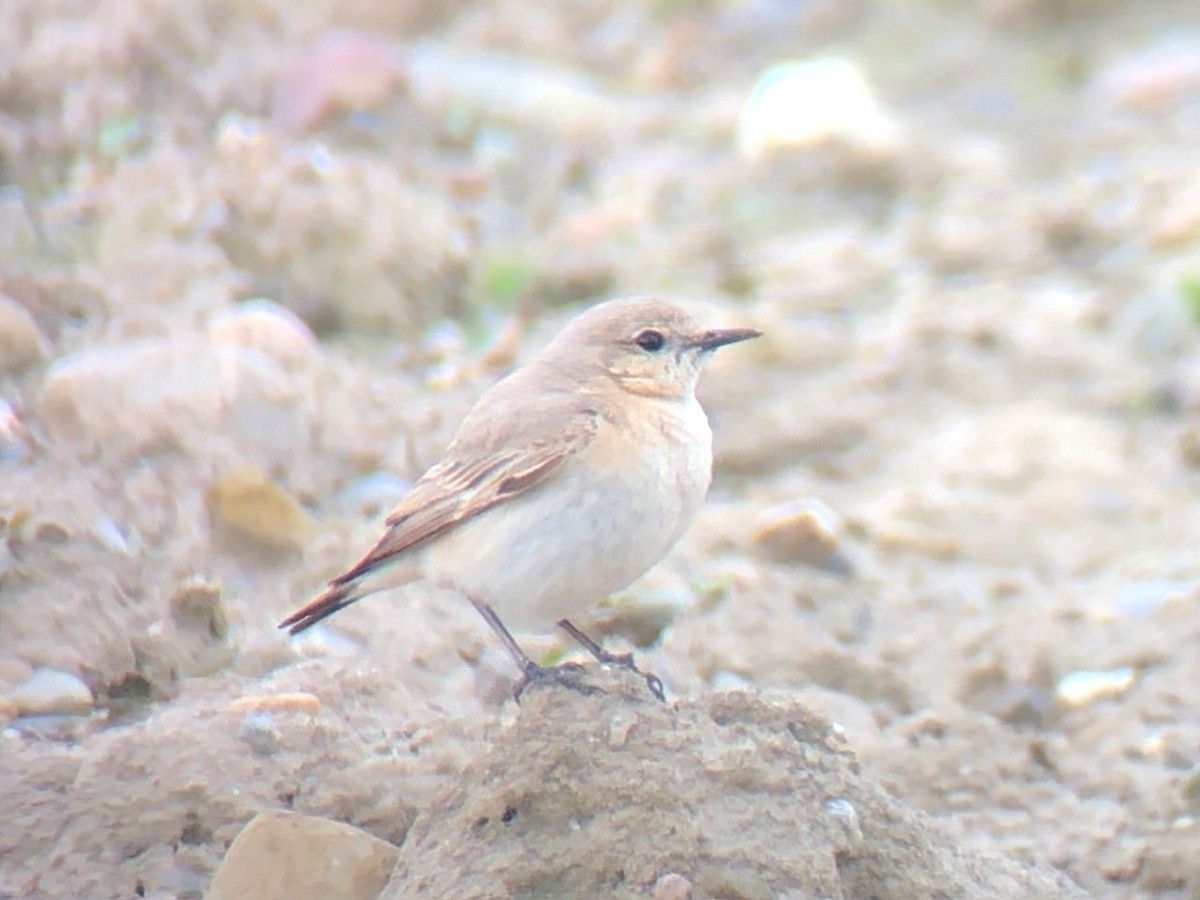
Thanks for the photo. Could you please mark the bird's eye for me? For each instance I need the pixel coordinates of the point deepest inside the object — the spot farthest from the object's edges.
(650, 340)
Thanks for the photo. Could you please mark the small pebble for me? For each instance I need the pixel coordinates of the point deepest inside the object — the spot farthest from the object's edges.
(259, 733)
(672, 886)
(1083, 687)
(620, 728)
(1143, 599)
(372, 494)
(20, 341)
(843, 810)
(267, 327)
(14, 437)
(323, 641)
(1191, 793)
(724, 680)
(912, 538)
(736, 885)
(510, 88)
(197, 605)
(1189, 447)
(806, 531)
(285, 855)
(248, 501)
(48, 691)
(1157, 81)
(298, 701)
(109, 534)
(58, 728)
(800, 104)
(12, 671)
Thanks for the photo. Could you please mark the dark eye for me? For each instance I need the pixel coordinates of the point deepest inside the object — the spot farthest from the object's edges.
(650, 340)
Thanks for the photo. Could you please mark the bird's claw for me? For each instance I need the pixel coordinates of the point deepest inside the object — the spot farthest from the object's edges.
(568, 675)
(625, 661)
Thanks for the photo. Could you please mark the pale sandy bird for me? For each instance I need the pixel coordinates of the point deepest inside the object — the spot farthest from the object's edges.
(567, 481)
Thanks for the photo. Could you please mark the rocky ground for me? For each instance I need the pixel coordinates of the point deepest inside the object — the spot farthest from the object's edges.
(256, 260)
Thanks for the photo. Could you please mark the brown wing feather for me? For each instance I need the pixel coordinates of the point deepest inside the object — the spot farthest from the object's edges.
(451, 493)
(469, 481)
(447, 496)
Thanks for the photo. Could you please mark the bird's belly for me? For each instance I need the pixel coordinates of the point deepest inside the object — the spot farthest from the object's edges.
(554, 552)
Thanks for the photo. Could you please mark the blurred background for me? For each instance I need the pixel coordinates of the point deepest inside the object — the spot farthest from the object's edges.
(258, 258)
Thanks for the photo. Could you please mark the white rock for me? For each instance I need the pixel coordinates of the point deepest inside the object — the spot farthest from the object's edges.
(267, 327)
(795, 105)
(48, 691)
(1083, 687)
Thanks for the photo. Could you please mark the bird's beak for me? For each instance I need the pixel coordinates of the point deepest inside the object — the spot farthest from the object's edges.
(719, 337)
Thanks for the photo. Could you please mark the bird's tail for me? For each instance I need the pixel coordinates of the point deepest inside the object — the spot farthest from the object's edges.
(338, 595)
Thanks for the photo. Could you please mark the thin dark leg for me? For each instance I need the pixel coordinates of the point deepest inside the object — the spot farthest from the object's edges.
(530, 671)
(624, 660)
(524, 663)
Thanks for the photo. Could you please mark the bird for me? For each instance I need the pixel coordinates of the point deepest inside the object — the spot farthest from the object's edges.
(568, 479)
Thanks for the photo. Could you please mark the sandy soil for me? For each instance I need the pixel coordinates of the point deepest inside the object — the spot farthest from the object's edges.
(256, 260)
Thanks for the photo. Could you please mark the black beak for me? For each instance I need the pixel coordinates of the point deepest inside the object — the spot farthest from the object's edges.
(719, 337)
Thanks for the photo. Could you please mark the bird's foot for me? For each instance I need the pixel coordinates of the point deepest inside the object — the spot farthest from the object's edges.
(625, 661)
(608, 658)
(568, 675)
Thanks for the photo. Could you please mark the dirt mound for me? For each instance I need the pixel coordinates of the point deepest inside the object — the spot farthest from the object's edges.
(606, 792)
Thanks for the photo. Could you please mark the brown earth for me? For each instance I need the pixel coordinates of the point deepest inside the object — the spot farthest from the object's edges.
(257, 259)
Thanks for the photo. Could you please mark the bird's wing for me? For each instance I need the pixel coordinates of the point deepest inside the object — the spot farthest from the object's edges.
(472, 479)
(506, 447)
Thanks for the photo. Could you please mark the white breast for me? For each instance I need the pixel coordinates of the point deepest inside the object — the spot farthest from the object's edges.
(597, 526)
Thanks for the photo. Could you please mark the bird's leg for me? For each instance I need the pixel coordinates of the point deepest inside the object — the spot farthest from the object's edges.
(624, 660)
(530, 671)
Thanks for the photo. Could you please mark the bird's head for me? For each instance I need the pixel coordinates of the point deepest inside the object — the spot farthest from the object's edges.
(647, 346)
